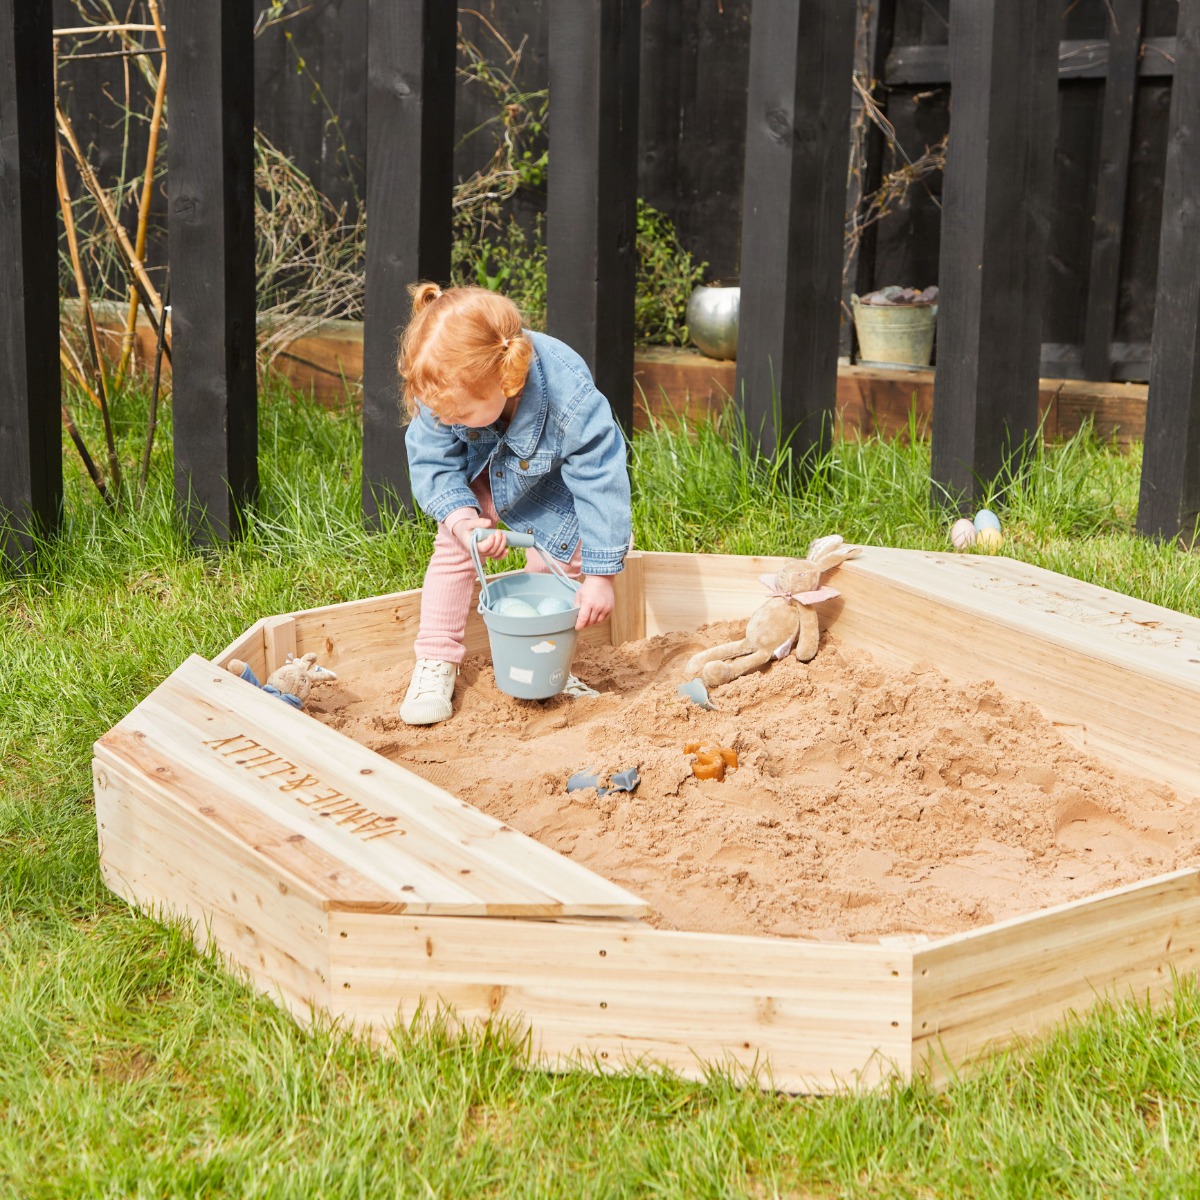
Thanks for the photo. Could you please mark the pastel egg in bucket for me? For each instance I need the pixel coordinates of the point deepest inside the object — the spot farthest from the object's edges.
(530, 620)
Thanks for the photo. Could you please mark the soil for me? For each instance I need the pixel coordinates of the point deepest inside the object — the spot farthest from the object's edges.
(868, 803)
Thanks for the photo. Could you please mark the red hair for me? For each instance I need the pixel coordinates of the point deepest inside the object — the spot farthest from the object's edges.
(461, 335)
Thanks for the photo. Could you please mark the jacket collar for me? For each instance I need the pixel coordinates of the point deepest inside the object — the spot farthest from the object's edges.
(525, 430)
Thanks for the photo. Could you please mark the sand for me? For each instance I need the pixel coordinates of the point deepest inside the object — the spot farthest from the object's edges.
(869, 803)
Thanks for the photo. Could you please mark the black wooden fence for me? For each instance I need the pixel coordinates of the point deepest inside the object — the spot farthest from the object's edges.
(999, 205)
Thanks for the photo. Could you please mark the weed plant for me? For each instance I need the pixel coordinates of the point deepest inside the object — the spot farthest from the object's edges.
(133, 1066)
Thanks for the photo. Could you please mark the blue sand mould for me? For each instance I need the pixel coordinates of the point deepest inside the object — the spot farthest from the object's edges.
(697, 693)
(619, 781)
(530, 621)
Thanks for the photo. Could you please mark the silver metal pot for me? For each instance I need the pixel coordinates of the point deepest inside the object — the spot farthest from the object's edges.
(712, 320)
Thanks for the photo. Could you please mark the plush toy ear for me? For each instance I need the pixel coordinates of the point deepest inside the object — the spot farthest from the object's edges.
(831, 551)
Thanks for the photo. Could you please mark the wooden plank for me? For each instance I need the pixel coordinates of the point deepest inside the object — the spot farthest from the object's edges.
(793, 219)
(800, 1016)
(1169, 501)
(250, 647)
(1104, 278)
(164, 864)
(296, 781)
(997, 208)
(628, 622)
(30, 422)
(912, 65)
(591, 238)
(410, 176)
(210, 183)
(979, 991)
(1116, 411)
(233, 835)
(673, 384)
(279, 637)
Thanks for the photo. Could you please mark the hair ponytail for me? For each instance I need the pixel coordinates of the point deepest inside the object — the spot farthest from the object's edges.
(423, 295)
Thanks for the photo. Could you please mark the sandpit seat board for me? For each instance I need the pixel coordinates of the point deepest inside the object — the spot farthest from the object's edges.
(1147, 639)
(337, 818)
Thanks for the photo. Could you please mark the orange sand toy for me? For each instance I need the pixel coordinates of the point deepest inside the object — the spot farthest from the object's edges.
(711, 761)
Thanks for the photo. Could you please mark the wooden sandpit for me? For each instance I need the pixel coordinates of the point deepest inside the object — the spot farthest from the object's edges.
(972, 813)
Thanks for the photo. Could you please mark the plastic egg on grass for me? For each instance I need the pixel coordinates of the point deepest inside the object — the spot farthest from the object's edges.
(962, 534)
(514, 606)
(989, 539)
(553, 604)
(986, 519)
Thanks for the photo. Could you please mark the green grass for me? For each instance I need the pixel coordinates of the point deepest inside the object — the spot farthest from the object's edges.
(131, 1065)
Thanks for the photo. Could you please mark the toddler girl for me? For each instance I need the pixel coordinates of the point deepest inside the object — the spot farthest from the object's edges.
(505, 424)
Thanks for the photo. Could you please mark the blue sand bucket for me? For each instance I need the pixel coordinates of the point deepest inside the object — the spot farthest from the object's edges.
(530, 653)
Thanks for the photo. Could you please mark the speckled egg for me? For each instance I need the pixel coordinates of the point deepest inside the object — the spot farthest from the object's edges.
(962, 534)
(553, 604)
(989, 539)
(514, 606)
(986, 519)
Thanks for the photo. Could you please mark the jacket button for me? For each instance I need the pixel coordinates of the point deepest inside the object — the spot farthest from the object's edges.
(499, 474)
(530, 529)
(564, 545)
(473, 435)
(524, 465)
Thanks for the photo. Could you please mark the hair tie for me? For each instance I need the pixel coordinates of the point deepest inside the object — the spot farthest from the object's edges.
(504, 343)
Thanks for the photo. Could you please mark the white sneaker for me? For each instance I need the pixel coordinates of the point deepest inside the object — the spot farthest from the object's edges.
(430, 695)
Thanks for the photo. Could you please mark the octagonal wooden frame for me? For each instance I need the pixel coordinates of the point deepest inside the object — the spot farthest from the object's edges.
(341, 882)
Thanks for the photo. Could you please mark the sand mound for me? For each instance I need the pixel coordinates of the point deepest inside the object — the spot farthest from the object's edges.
(867, 803)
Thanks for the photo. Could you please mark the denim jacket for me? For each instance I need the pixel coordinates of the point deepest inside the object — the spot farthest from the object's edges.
(557, 471)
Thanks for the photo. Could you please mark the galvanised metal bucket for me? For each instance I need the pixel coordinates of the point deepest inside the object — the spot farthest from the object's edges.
(531, 654)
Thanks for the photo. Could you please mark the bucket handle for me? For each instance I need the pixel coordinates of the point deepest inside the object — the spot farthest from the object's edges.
(524, 541)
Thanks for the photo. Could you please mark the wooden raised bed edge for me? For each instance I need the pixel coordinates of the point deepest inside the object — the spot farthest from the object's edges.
(607, 991)
(673, 382)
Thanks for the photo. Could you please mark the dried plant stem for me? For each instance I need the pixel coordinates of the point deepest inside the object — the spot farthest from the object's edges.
(89, 317)
(139, 245)
(152, 421)
(133, 264)
(84, 30)
(89, 464)
(70, 360)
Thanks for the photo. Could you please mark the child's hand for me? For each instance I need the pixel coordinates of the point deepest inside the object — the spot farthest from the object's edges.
(596, 600)
(495, 546)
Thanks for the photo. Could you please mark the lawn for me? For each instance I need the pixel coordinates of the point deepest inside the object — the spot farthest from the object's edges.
(131, 1065)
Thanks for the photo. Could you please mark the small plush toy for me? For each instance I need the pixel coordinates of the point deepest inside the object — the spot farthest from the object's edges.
(783, 624)
(291, 683)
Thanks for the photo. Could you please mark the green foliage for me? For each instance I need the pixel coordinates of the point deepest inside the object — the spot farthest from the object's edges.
(509, 258)
(665, 279)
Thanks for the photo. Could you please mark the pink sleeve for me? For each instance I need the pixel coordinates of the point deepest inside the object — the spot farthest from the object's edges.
(457, 515)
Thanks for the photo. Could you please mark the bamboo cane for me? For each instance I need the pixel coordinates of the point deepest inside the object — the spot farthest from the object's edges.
(152, 422)
(67, 357)
(89, 317)
(88, 462)
(143, 219)
(133, 264)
